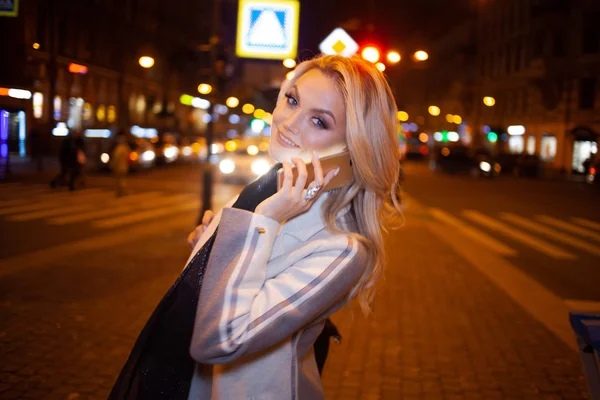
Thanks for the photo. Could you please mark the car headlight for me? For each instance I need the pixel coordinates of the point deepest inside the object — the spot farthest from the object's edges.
(105, 158)
(187, 151)
(171, 152)
(260, 167)
(485, 166)
(148, 156)
(227, 166)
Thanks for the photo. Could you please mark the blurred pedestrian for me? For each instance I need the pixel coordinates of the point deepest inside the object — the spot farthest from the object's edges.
(119, 163)
(72, 160)
(277, 261)
(36, 149)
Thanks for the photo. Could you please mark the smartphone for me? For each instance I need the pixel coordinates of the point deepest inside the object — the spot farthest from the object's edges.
(329, 163)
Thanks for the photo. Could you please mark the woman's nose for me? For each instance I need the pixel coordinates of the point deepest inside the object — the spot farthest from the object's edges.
(291, 123)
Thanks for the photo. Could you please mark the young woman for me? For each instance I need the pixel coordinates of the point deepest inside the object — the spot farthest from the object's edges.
(280, 267)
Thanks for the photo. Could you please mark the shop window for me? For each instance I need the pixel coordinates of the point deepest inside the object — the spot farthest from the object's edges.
(517, 58)
(548, 148)
(559, 45)
(587, 93)
(531, 145)
(582, 151)
(516, 144)
(590, 38)
(75, 113)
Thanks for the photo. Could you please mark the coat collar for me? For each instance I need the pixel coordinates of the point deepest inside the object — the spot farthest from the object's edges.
(306, 225)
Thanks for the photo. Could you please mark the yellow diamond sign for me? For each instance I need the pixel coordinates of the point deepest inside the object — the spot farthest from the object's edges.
(339, 42)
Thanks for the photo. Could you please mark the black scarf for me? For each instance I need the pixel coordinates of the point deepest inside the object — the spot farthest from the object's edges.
(160, 365)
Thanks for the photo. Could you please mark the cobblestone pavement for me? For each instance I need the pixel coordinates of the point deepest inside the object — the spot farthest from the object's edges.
(440, 330)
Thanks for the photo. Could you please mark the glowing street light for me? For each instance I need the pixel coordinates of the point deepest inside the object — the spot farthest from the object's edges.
(36, 46)
(434, 110)
(204, 88)
(232, 102)
(450, 118)
(421, 55)
(247, 108)
(370, 54)
(402, 116)
(380, 66)
(146, 62)
(489, 101)
(289, 63)
(457, 119)
(259, 113)
(393, 57)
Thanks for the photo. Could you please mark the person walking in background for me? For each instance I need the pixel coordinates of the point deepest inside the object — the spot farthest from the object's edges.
(72, 160)
(120, 163)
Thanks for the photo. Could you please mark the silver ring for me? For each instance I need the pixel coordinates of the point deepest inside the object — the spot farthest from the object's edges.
(312, 192)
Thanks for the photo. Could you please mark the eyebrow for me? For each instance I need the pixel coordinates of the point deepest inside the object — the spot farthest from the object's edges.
(318, 110)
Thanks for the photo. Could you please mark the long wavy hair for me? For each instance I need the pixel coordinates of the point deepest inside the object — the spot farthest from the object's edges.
(371, 136)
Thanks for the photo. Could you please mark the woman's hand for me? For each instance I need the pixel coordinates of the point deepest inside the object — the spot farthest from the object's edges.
(292, 199)
(194, 235)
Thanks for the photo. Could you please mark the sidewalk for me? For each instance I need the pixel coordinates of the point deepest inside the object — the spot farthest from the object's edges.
(442, 330)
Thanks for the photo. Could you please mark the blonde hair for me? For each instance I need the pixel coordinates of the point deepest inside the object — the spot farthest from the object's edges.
(371, 136)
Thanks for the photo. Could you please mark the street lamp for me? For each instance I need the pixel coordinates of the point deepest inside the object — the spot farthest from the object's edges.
(370, 54)
(232, 102)
(402, 116)
(204, 88)
(434, 110)
(289, 63)
(146, 62)
(247, 108)
(259, 113)
(421, 55)
(457, 119)
(380, 66)
(393, 57)
(489, 101)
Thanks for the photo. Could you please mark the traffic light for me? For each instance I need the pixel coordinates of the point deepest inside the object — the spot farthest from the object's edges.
(492, 137)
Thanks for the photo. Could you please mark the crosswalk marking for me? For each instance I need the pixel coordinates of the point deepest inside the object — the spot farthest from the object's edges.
(50, 212)
(46, 193)
(568, 227)
(587, 223)
(473, 233)
(559, 236)
(142, 216)
(10, 203)
(538, 244)
(123, 205)
(583, 305)
(32, 207)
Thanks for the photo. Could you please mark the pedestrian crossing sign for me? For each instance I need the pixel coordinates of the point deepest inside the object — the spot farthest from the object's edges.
(267, 29)
(339, 42)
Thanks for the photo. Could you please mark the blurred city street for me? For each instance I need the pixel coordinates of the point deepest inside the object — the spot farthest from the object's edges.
(473, 304)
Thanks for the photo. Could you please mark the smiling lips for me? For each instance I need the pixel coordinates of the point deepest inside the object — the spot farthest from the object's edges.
(284, 141)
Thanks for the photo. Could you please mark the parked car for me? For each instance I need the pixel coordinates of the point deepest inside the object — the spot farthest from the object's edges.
(521, 165)
(458, 159)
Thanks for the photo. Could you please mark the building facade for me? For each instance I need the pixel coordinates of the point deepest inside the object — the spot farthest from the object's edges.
(538, 64)
(80, 61)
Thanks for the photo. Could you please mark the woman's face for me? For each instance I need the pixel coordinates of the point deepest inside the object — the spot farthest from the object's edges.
(309, 117)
